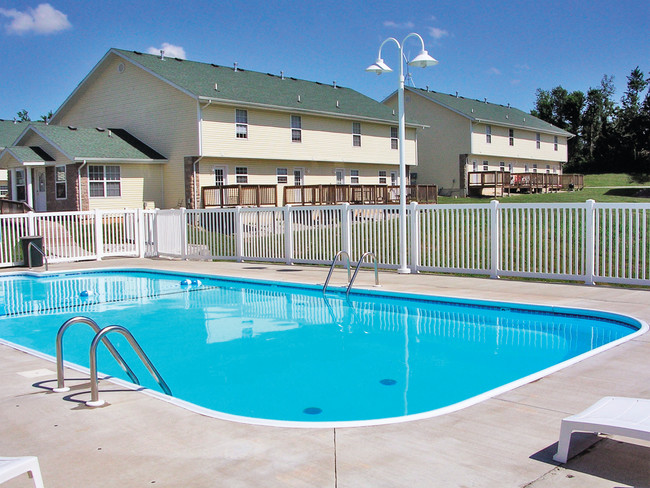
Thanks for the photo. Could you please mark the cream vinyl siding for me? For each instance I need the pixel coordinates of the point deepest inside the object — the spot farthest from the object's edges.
(323, 138)
(139, 183)
(262, 172)
(440, 144)
(150, 109)
(525, 144)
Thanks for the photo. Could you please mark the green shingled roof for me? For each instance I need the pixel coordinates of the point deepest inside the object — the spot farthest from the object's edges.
(85, 143)
(26, 154)
(482, 111)
(251, 87)
(10, 130)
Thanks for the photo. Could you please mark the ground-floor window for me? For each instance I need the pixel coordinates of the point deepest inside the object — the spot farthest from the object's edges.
(382, 177)
(282, 175)
(60, 183)
(104, 181)
(414, 178)
(354, 176)
(241, 173)
(21, 193)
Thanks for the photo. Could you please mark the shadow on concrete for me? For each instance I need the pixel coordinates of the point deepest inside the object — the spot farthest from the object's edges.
(621, 462)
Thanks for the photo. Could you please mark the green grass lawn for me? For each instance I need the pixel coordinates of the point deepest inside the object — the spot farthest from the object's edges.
(601, 188)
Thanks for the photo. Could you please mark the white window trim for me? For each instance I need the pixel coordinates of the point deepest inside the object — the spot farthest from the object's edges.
(65, 182)
(394, 140)
(15, 185)
(104, 180)
(242, 124)
(296, 129)
(538, 140)
(237, 175)
(384, 176)
(285, 176)
(358, 177)
(488, 134)
(356, 135)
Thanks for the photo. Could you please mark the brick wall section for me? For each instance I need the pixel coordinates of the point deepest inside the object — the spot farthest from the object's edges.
(71, 203)
(191, 193)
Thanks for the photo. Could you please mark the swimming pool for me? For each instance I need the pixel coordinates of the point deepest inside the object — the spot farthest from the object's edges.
(278, 354)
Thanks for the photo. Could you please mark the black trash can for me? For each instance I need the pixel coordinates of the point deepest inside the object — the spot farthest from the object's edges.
(37, 257)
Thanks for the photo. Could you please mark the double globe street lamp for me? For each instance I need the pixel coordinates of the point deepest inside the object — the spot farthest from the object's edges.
(422, 60)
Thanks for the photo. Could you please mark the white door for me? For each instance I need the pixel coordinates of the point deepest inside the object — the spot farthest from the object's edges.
(298, 177)
(40, 195)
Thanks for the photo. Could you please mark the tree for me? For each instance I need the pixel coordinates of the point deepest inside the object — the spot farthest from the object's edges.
(630, 126)
(47, 117)
(23, 116)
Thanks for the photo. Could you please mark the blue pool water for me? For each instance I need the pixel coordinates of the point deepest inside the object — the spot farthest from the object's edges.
(288, 353)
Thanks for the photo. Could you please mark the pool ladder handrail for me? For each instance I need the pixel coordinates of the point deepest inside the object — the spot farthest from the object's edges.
(60, 380)
(329, 275)
(40, 251)
(356, 270)
(94, 386)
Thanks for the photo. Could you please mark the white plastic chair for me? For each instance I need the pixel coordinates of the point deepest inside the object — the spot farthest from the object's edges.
(629, 417)
(10, 467)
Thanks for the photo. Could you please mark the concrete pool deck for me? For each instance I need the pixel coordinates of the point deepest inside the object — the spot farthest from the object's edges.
(506, 441)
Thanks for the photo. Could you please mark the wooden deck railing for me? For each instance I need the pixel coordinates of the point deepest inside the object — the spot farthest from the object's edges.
(572, 181)
(357, 194)
(496, 180)
(13, 207)
(239, 195)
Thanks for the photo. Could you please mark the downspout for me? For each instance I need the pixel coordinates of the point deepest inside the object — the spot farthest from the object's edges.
(79, 183)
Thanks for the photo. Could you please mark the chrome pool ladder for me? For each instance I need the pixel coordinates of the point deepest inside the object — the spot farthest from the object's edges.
(356, 270)
(100, 336)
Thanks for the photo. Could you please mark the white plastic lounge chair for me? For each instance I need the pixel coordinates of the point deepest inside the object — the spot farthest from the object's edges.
(629, 417)
(10, 467)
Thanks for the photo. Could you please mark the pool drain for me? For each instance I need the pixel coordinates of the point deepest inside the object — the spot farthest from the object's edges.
(388, 382)
(312, 410)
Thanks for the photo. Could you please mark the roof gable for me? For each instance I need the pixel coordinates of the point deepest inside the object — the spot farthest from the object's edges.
(79, 143)
(10, 130)
(238, 86)
(483, 111)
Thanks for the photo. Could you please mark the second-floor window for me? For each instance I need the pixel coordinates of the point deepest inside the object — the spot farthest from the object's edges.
(241, 124)
(488, 134)
(296, 128)
(104, 181)
(241, 174)
(282, 175)
(511, 137)
(555, 143)
(356, 134)
(538, 140)
(354, 176)
(60, 183)
(382, 177)
(394, 139)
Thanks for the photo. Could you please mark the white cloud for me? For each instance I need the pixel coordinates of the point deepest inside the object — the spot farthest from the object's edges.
(170, 50)
(437, 33)
(522, 67)
(44, 19)
(494, 71)
(399, 25)
(515, 82)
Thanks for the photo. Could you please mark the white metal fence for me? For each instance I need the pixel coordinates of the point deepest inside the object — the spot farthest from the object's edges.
(590, 242)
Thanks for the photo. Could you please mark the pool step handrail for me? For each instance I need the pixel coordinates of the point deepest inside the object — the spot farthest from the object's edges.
(60, 380)
(99, 337)
(336, 257)
(356, 270)
(40, 251)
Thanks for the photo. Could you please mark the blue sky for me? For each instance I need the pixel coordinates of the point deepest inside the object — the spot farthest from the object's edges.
(502, 51)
